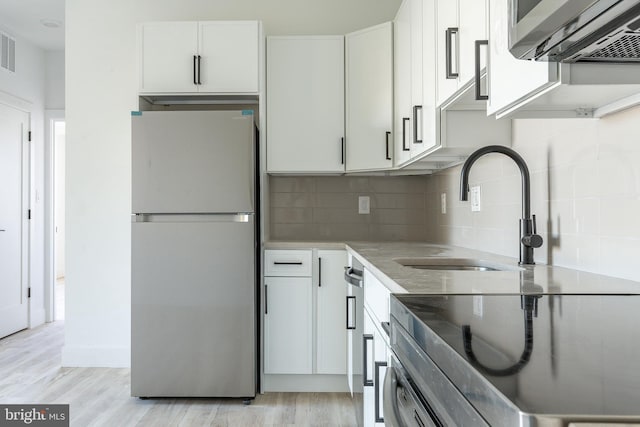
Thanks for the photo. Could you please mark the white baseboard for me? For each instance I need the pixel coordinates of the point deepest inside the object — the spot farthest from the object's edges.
(306, 383)
(96, 357)
(37, 317)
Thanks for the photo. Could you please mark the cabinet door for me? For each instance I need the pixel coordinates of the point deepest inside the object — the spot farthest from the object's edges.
(166, 56)
(473, 26)
(375, 366)
(305, 104)
(430, 112)
(402, 84)
(331, 337)
(417, 79)
(369, 101)
(512, 80)
(288, 325)
(229, 56)
(448, 39)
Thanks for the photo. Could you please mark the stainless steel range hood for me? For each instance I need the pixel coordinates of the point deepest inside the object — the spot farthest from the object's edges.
(575, 30)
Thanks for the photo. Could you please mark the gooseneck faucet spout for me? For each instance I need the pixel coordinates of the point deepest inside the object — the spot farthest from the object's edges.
(529, 239)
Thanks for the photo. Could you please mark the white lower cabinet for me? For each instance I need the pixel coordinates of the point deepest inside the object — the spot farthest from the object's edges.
(305, 341)
(375, 347)
(331, 333)
(288, 325)
(376, 355)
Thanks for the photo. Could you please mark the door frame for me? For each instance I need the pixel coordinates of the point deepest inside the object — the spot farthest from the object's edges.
(25, 106)
(50, 118)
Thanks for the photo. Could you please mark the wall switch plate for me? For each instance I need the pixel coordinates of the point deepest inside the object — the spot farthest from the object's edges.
(443, 203)
(475, 198)
(477, 305)
(364, 205)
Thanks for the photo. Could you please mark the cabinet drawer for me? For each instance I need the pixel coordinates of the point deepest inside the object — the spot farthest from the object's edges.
(287, 263)
(376, 297)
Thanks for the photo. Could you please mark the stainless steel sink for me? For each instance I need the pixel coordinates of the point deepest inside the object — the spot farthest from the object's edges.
(455, 264)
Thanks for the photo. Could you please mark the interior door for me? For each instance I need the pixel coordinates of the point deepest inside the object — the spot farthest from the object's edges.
(14, 231)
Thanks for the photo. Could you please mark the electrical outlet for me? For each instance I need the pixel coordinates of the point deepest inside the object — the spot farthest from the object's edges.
(475, 199)
(364, 205)
(443, 203)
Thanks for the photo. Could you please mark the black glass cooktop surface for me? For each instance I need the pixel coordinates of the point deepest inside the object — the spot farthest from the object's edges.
(547, 354)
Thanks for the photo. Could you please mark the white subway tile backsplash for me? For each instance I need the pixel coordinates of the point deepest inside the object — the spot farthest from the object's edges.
(585, 192)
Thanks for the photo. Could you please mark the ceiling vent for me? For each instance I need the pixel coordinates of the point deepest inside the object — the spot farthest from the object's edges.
(7, 53)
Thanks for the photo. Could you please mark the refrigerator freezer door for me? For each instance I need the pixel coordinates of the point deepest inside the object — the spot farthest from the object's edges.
(192, 162)
(193, 308)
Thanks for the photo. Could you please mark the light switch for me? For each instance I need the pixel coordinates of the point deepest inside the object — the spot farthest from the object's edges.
(364, 206)
(477, 306)
(475, 199)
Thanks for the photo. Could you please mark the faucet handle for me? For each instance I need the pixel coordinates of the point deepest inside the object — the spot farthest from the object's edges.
(532, 240)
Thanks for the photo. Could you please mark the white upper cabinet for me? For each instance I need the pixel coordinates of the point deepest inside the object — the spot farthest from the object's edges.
(511, 79)
(305, 104)
(448, 54)
(369, 98)
(402, 80)
(521, 89)
(453, 130)
(205, 57)
(229, 56)
(459, 23)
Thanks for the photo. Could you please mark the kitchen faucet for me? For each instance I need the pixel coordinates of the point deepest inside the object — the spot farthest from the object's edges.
(529, 238)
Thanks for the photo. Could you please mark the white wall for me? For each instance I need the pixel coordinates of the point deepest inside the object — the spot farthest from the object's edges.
(100, 93)
(27, 83)
(585, 192)
(54, 80)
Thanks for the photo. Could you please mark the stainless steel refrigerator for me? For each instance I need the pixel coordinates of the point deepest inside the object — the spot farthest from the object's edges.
(193, 254)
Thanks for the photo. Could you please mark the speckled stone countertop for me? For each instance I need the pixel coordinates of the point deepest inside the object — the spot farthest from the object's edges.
(378, 258)
(271, 244)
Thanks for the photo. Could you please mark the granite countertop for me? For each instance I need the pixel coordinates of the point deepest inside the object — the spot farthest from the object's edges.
(379, 257)
(274, 244)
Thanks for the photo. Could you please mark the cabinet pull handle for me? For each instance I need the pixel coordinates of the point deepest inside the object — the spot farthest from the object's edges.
(195, 67)
(266, 309)
(342, 151)
(319, 272)
(351, 298)
(449, 35)
(378, 365)
(479, 96)
(404, 133)
(287, 262)
(199, 73)
(365, 360)
(415, 124)
(387, 135)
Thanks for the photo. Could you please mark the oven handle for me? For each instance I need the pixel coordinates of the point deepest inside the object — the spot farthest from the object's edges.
(353, 276)
(390, 399)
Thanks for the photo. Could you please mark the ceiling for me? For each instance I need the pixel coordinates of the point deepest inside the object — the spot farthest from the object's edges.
(23, 18)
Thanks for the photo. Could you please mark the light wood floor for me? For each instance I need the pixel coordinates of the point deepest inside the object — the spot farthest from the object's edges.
(30, 373)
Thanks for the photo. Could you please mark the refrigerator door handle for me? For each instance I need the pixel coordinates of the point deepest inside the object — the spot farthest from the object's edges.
(191, 217)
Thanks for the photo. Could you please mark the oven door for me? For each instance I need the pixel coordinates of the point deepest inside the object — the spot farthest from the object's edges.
(402, 404)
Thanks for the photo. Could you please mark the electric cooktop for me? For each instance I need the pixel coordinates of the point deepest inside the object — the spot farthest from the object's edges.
(546, 354)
